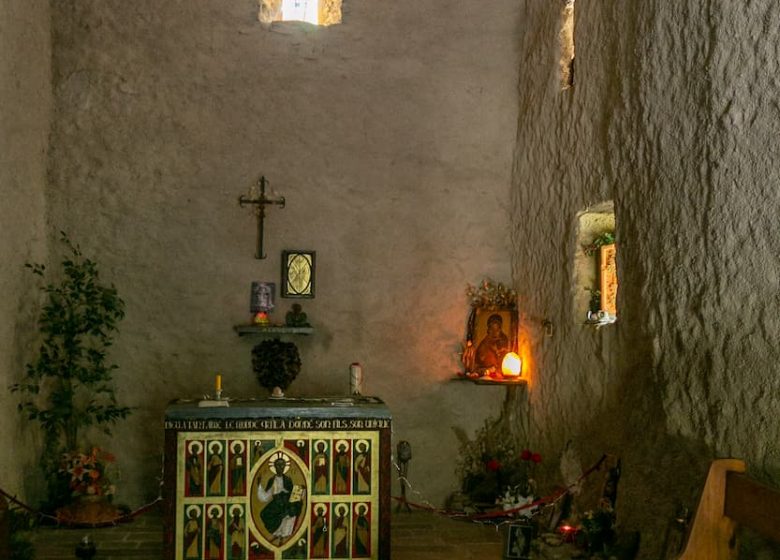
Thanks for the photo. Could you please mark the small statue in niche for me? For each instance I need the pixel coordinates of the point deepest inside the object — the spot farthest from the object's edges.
(296, 317)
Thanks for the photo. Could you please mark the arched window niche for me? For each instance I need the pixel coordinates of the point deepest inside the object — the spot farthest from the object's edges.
(595, 266)
(316, 12)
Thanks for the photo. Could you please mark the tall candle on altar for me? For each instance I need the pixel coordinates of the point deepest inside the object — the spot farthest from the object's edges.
(218, 383)
(355, 379)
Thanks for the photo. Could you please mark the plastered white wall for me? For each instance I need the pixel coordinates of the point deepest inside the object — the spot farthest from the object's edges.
(391, 136)
(25, 108)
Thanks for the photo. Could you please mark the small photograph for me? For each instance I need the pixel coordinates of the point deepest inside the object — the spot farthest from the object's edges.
(518, 542)
(262, 297)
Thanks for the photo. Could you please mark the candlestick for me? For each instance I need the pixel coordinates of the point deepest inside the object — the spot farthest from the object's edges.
(355, 379)
(218, 387)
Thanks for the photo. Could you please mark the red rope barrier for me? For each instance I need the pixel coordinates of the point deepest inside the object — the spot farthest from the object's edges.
(124, 518)
(550, 498)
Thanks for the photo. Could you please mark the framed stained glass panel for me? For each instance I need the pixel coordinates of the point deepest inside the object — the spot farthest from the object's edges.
(298, 274)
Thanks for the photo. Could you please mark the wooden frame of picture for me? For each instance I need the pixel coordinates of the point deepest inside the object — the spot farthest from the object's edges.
(491, 334)
(518, 542)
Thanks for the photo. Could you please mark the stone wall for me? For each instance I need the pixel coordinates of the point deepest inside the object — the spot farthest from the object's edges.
(673, 116)
(25, 106)
(391, 137)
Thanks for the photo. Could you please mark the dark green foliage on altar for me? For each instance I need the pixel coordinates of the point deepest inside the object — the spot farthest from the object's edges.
(276, 363)
(68, 387)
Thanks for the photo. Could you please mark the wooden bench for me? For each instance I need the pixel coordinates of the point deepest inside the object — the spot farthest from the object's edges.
(731, 498)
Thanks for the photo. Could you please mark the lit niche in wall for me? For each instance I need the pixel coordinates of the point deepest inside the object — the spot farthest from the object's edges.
(316, 12)
(595, 266)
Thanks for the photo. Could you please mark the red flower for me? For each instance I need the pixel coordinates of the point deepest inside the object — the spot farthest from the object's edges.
(536, 458)
(493, 465)
(525, 455)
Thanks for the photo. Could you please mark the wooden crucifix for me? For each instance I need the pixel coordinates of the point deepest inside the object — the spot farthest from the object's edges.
(260, 201)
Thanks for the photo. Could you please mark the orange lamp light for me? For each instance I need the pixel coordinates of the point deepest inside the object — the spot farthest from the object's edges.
(512, 365)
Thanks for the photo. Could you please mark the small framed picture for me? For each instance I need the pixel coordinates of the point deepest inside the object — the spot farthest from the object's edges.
(518, 542)
(492, 333)
(298, 274)
(262, 297)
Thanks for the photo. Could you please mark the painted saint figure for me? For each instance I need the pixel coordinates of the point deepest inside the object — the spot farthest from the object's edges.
(494, 346)
(341, 532)
(237, 469)
(283, 508)
(362, 544)
(194, 469)
(215, 533)
(362, 474)
(320, 468)
(341, 468)
(192, 533)
(319, 532)
(237, 533)
(215, 469)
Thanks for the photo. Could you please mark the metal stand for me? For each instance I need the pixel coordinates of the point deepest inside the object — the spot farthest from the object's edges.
(404, 454)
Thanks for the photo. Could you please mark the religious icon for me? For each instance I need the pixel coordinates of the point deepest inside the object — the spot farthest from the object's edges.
(259, 448)
(341, 470)
(298, 274)
(300, 447)
(361, 542)
(237, 473)
(321, 468)
(192, 533)
(215, 469)
(319, 531)
(262, 297)
(518, 542)
(362, 471)
(492, 333)
(279, 498)
(341, 531)
(193, 473)
(215, 533)
(236, 540)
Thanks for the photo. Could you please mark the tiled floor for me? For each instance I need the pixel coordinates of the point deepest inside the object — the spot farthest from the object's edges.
(415, 536)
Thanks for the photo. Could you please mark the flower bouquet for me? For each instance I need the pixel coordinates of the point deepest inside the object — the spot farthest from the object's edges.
(88, 473)
(494, 472)
(90, 488)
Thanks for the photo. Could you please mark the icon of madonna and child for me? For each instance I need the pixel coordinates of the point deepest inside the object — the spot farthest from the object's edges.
(279, 498)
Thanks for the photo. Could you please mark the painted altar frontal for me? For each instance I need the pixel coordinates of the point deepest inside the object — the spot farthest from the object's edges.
(286, 487)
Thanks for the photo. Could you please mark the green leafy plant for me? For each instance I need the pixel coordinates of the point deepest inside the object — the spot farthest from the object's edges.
(606, 238)
(20, 523)
(68, 387)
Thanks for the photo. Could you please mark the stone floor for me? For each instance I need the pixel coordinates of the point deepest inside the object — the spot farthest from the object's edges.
(415, 536)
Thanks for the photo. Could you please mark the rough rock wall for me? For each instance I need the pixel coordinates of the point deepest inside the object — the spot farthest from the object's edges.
(391, 137)
(674, 116)
(25, 107)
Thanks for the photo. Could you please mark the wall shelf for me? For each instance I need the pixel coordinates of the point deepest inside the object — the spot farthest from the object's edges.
(245, 330)
(490, 380)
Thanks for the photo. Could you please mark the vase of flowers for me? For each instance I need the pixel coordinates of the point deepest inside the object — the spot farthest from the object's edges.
(495, 472)
(91, 489)
(88, 474)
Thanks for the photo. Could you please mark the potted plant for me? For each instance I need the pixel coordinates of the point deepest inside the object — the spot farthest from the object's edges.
(68, 387)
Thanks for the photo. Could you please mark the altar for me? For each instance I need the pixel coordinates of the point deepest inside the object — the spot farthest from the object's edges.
(277, 479)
